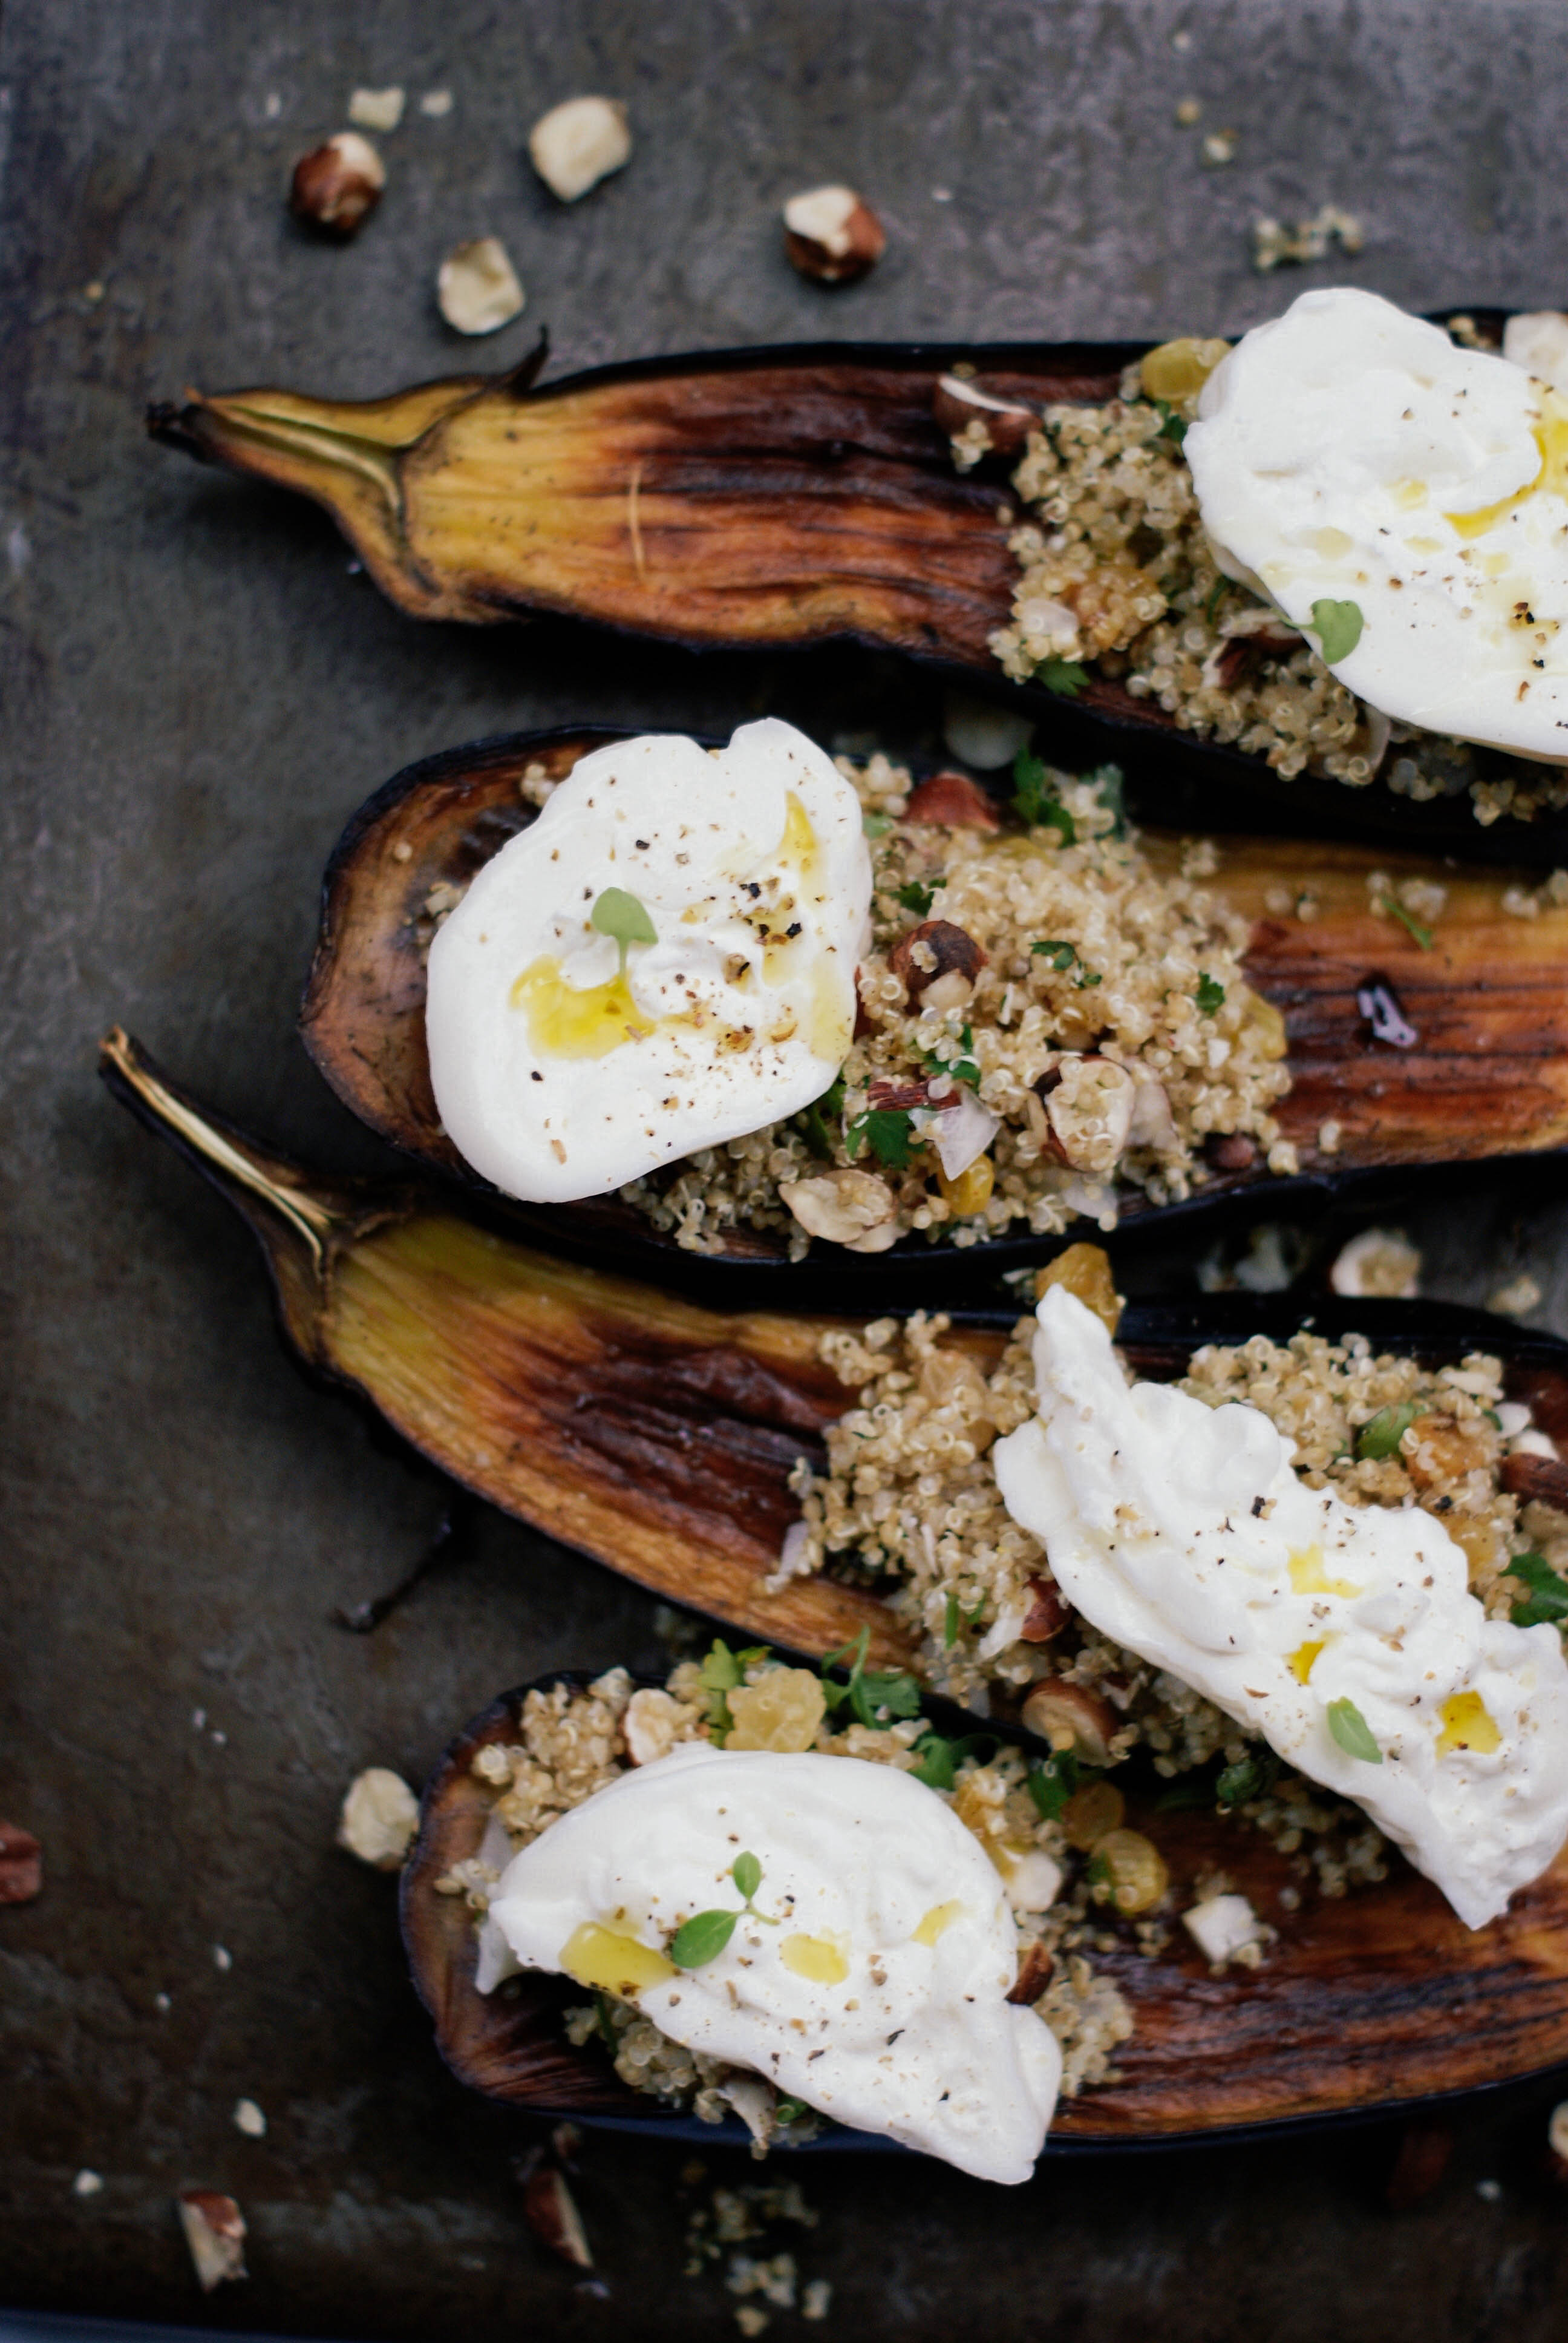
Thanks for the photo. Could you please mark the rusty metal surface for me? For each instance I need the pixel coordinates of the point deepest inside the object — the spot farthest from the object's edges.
(196, 693)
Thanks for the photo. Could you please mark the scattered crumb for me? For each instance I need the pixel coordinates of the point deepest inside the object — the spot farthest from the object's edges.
(273, 106)
(1274, 246)
(1489, 2191)
(1218, 147)
(162, 2004)
(1329, 1134)
(1188, 112)
(436, 104)
(402, 851)
(95, 291)
(774, 2277)
(478, 290)
(249, 2119)
(21, 1864)
(378, 1818)
(87, 2182)
(198, 1720)
(1380, 1261)
(749, 2320)
(817, 2294)
(942, 195)
(214, 2232)
(222, 1959)
(376, 109)
(1225, 1928)
(1517, 1298)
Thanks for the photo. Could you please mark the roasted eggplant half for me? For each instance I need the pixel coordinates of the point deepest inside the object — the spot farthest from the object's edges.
(750, 499)
(657, 1435)
(1363, 2005)
(1408, 1046)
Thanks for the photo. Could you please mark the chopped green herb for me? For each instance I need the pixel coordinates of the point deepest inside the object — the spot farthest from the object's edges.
(820, 1134)
(1091, 976)
(1061, 956)
(701, 1938)
(1547, 1603)
(1066, 678)
(872, 1697)
(1172, 426)
(964, 1069)
(789, 2111)
(940, 1759)
(606, 2022)
(876, 825)
(1209, 995)
(720, 1673)
(1212, 604)
(888, 1133)
(1035, 800)
(1388, 1427)
(950, 1624)
(616, 913)
(746, 1873)
(1052, 1782)
(916, 897)
(1396, 909)
(1252, 1777)
(1352, 1731)
(1338, 627)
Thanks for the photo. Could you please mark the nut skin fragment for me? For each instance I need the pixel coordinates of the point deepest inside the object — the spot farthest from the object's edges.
(337, 186)
(959, 402)
(1070, 1717)
(1047, 1615)
(832, 237)
(579, 142)
(214, 2232)
(477, 289)
(20, 1866)
(1542, 1479)
(955, 801)
(378, 1819)
(554, 2218)
(845, 1207)
(954, 952)
(1231, 1150)
(1035, 1969)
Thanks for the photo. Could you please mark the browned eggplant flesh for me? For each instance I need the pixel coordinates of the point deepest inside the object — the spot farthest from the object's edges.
(1413, 1039)
(762, 497)
(1341, 2016)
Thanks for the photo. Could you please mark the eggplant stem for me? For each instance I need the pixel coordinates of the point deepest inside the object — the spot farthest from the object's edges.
(319, 441)
(314, 1222)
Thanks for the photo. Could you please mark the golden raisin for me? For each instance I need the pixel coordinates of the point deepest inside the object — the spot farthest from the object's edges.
(1090, 1812)
(1129, 1870)
(1178, 370)
(1480, 1544)
(1085, 1270)
(781, 1711)
(1265, 1022)
(1436, 1448)
(971, 1191)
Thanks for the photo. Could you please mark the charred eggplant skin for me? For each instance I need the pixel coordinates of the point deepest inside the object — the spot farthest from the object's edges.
(1488, 1075)
(1339, 2020)
(745, 498)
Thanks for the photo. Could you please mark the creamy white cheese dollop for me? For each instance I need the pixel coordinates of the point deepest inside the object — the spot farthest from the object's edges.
(1348, 452)
(1182, 1532)
(875, 1990)
(566, 1060)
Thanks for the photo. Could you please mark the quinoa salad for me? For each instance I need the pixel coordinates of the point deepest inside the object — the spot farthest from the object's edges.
(1119, 580)
(1087, 1009)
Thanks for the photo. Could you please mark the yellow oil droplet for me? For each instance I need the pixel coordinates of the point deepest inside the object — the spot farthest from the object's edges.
(1408, 494)
(1550, 436)
(831, 1026)
(608, 1962)
(818, 1959)
(1334, 543)
(1308, 1575)
(1467, 1724)
(800, 847)
(1300, 1662)
(938, 1920)
(565, 1021)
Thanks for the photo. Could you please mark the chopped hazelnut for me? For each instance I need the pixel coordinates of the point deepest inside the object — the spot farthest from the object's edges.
(953, 953)
(478, 288)
(214, 2232)
(379, 1817)
(1047, 1615)
(339, 186)
(955, 801)
(1035, 1968)
(577, 144)
(1070, 1717)
(958, 403)
(377, 109)
(846, 1207)
(553, 2216)
(832, 236)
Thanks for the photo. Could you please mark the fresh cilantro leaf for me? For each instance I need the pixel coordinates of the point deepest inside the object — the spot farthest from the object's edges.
(962, 1069)
(1548, 1598)
(1172, 426)
(1387, 1428)
(701, 1938)
(1066, 678)
(1252, 1777)
(1338, 627)
(1061, 956)
(789, 2111)
(1396, 909)
(916, 897)
(871, 1696)
(940, 1759)
(888, 1133)
(616, 913)
(746, 1873)
(1209, 995)
(1034, 798)
(1352, 1731)
(1091, 976)
(876, 825)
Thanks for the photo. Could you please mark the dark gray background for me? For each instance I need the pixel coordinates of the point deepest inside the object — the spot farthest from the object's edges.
(196, 694)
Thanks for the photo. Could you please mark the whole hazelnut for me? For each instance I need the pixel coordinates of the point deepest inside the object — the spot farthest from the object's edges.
(339, 186)
(832, 236)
